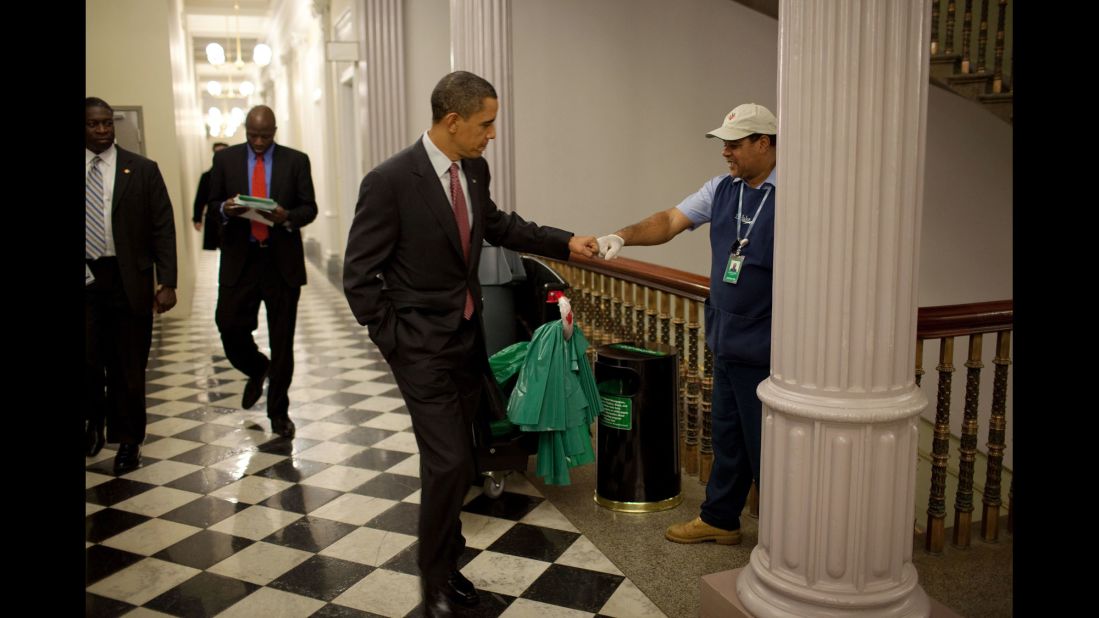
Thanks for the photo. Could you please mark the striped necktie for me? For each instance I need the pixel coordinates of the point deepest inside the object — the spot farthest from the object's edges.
(95, 228)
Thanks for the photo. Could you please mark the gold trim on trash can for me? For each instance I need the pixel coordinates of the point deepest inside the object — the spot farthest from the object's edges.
(638, 507)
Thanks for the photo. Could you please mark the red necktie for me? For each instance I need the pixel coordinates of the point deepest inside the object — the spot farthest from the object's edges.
(259, 189)
(462, 216)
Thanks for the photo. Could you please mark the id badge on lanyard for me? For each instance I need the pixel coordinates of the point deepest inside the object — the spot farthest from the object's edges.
(736, 260)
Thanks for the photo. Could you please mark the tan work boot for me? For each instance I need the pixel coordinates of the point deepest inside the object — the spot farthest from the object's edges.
(697, 531)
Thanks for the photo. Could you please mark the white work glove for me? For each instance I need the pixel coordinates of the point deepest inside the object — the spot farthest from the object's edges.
(610, 245)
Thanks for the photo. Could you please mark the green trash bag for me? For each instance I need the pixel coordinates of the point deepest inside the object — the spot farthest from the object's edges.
(555, 394)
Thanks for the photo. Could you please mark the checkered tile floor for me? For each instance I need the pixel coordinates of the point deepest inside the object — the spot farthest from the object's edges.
(225, 518)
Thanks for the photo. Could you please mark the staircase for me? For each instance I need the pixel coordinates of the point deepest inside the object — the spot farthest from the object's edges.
(975, 72)
(965, 72)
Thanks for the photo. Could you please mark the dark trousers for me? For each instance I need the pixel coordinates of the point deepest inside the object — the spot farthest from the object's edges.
(116, 351)
(736, 427)
(237, 315)
(442, 393)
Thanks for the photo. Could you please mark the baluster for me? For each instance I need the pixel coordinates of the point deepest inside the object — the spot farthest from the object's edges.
(982, 38)
(681, 354)
(663, 304)
(967, 27)
(951, 9)
(934, 27)
(919, 361)
(616, 309)
(627, 311)
(609, 326)
(997, 425)
(963, 499)
(639, 315)
(1011, 507)
(936, 504)
(694, 395)
(650, 311)
(998, 67)
(706, 445)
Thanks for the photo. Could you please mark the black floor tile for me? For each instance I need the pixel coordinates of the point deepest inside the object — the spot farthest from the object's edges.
(363, 436)
(115, 490)
(326, 372)
(342, 611)
(104, 524)
(293, 470)
(342, 399)
(106, 466)
(206, 432)
(207, 414)
(389, 486)
(403, 517)
(322, 577)
(535, 542)
(376, 459)
(204, 549)
(352, 416)
(572, 587)
(205, 455)
(101, 561)
(204, 481)
(96, 606)
(205, 594)
(310, 534)
(301, 498)
(509, 505)
(282, 446)
(204, 512)
(333, 384)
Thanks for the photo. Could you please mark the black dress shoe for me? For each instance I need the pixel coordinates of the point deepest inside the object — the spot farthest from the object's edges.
(128, 458)
(94, 435)
(284, 427)
(437, 606)
(461, 590)
(254, 388)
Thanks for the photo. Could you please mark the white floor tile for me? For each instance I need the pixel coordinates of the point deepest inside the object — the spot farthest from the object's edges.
(629, 602)
(582, 554)
(272, 603)
(340, 478)
(383, 592)
(255, 522)
(353, 509)
(251, 489)
(369, 546)
(503, 573)
(144, 581)
(149, 537)
(157, 501)
(260, 563)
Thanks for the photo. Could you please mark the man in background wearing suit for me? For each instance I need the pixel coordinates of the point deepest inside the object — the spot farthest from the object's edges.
(262, 262)
(210, 237)
(410, 275)
(130, 245)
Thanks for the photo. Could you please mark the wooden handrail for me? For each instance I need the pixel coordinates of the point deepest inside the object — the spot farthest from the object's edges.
(933, 322)
(967, 319)
(681, 282)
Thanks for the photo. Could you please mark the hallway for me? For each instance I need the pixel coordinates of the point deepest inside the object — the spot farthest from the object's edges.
(226, 519)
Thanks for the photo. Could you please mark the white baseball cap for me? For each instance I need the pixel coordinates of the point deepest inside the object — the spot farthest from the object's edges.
(745, 120)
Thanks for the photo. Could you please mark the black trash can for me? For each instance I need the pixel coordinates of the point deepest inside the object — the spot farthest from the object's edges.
(638, 435)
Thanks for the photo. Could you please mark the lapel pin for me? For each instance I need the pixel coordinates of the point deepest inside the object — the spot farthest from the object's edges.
(125, 170)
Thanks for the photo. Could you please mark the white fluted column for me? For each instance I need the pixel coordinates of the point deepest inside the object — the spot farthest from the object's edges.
(841, 405)
(385, 88)
(480, 42)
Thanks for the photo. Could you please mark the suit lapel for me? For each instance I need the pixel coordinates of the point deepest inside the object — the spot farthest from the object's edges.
(431, 191)
(122, 173)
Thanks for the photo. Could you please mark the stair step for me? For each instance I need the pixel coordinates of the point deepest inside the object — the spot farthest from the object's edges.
(1002, 105)
(945, 65)
(971, 85)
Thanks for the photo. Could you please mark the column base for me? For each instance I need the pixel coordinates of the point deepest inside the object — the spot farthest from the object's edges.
(720, 600)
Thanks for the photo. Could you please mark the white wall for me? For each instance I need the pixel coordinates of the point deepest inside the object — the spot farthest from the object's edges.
(127, 62)
(612, 103)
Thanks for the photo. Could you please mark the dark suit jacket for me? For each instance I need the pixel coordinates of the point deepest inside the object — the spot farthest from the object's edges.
(144, 229)
(211, 230)
(291, 187)
(404, 230)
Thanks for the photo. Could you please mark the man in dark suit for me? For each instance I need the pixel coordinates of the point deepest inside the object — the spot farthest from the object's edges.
(410, 275)
(130, 244)
(211, 232)
(262, 260)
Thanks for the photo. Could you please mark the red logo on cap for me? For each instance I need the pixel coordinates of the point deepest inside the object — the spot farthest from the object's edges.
(731, 115)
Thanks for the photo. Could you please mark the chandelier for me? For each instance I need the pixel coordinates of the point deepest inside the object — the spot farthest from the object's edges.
(224, 122)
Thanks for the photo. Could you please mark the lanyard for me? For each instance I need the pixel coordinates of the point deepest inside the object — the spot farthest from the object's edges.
(743, 242)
